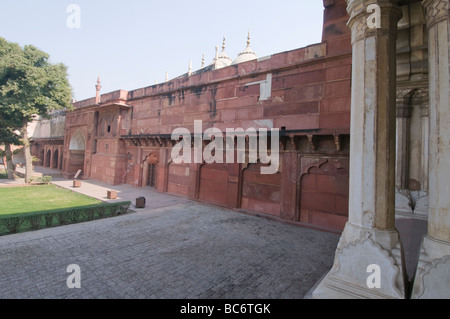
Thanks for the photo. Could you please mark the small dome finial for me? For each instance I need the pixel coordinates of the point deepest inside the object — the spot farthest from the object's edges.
(221, 60)
(98, 87)
(203, 60)
(217, 53)
(223, 44)
(190, 68)
(247, 54)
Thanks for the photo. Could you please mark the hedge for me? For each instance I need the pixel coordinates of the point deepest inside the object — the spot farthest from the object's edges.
(10, 224)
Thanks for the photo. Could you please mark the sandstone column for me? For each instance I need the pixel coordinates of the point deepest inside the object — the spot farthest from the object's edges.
(433, 274)
(368, 261)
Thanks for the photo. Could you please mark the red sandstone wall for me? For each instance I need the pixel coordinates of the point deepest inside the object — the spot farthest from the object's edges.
(310, 90)
(214, 184)
(261, 193)
(335, 31)
(178, 180)
(307, 93)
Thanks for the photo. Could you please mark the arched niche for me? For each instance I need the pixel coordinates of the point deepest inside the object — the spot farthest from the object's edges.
(150, 170)
(324, 191)
(55, 163)
(77, 147)
(260, 192)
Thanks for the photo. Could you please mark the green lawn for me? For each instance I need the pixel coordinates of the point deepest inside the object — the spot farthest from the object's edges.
(27, 199)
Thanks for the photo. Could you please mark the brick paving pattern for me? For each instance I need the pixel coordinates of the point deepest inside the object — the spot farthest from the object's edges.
(173, 249)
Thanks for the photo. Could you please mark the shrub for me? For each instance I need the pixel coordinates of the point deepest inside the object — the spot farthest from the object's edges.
(101, 211)
(37, 220)
(13, 224)
(89, 214)
(48, 219)
(74, 216)
(41, 180)
(46, 179)
(62, 218)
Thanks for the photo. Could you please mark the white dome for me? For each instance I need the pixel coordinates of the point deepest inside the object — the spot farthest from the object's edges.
(221, 60)
(246, 55)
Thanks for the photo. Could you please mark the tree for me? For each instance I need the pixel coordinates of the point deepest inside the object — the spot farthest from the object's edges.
(30, 85)
(8, 137)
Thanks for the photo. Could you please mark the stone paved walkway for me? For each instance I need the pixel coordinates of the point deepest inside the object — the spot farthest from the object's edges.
(173, 249)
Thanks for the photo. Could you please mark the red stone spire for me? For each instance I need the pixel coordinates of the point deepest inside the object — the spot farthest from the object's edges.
(98, 87)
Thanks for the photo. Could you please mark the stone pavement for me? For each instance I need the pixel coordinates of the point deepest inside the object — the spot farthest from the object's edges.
(173, 249)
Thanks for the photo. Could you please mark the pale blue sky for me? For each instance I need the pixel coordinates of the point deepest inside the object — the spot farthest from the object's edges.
(131, 44)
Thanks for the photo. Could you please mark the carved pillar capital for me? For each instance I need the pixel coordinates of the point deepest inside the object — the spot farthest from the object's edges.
(435, 11)
(421, 99)
(373, 17)
(404, 111)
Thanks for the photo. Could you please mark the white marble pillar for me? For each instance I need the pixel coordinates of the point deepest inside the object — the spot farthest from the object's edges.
(424, 111)
(432, 278)
(403, 133)
(421, 206)
(403, 202)
(369, 259)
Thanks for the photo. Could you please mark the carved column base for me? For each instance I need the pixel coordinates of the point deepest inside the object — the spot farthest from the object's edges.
(351, 276)
(432, 280)
(421, 207)
(403, 203)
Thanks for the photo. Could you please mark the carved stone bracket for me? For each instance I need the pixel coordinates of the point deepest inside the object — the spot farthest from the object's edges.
(337, 141)
(148, 140)
(312, 142)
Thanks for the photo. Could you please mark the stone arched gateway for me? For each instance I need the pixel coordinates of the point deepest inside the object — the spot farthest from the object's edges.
(48, 158)
(41, 157)
(55, 163)
(77, 148)
(150, 170)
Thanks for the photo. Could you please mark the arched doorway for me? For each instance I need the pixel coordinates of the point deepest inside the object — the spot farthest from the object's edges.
(55, 159)
(77, 147)
(48, 158)
(41, 157)
(150, 171)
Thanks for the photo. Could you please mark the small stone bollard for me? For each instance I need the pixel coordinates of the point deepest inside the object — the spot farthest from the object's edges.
(140, 202)
(112, 195)
(76, 184)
